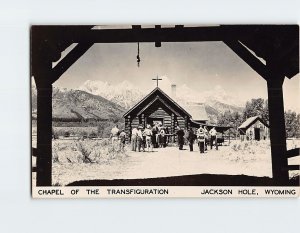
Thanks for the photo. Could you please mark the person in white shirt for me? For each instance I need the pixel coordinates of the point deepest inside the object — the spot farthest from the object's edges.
(213, 138)
(114, 134)
(201, 138)
(134, 138)
(148, 134)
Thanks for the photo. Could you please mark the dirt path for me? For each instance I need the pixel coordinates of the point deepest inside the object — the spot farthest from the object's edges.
(165, 162)
(171, 162)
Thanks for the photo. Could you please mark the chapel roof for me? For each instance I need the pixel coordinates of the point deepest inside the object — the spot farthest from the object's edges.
(156, 91)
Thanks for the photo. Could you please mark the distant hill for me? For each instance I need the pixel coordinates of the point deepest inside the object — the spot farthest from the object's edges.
(75, 105)
(215, 108)
(102, 101)
(211, 113)
(222, 107)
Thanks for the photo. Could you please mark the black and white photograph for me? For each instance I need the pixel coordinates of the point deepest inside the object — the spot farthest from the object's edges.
(151, 107)
(150, 116)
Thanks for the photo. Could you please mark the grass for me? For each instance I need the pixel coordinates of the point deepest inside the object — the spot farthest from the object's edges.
(97, 159)
(86, 151)
(75, 131)
(249, 150)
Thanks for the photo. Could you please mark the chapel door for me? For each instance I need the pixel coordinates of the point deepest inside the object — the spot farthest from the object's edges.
(257, 134)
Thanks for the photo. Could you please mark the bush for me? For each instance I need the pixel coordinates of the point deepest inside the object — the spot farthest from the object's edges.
(85, 152)
(84, 134)
(93, 135)
(100, 129)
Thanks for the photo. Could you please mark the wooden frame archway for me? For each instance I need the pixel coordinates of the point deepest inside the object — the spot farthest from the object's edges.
(277, 45)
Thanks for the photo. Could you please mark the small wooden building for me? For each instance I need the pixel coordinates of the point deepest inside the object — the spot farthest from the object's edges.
(254, 128)
(158, 107)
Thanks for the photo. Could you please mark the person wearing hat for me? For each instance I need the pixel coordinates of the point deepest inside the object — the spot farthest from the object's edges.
(140, 144)
(180, 137)
(148, 134)
(201, 138)
(162, 137)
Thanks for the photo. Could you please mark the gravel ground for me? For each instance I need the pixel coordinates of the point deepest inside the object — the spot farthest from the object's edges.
(251, 159)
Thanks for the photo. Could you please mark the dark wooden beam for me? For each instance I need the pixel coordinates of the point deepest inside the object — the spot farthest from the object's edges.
(277, 124)
(158, 43)
(185, 34)
(293, 167)
(69, 60)
(247, 56)
(255, 37)
(293, 153)
(41, 67)
(34, 152)
(76, 33)
(136, 27)
(44, 136)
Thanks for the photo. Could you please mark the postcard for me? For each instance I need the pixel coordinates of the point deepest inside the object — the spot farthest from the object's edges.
(165, 111)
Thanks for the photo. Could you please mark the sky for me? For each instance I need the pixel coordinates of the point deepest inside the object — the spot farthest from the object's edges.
(202, 66)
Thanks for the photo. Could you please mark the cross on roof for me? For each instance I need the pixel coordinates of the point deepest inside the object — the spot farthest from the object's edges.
(157, 79)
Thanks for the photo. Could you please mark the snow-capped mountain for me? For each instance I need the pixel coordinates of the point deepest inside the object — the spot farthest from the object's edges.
(124, 93)
(102, 100)
(127, 94)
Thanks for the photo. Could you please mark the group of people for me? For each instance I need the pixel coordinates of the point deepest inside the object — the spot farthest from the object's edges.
(149, 138)
(202, 136)
(157, 136)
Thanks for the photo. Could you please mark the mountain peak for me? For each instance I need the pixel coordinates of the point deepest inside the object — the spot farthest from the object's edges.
(127, 94)
(126, 84)
(124, 93)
